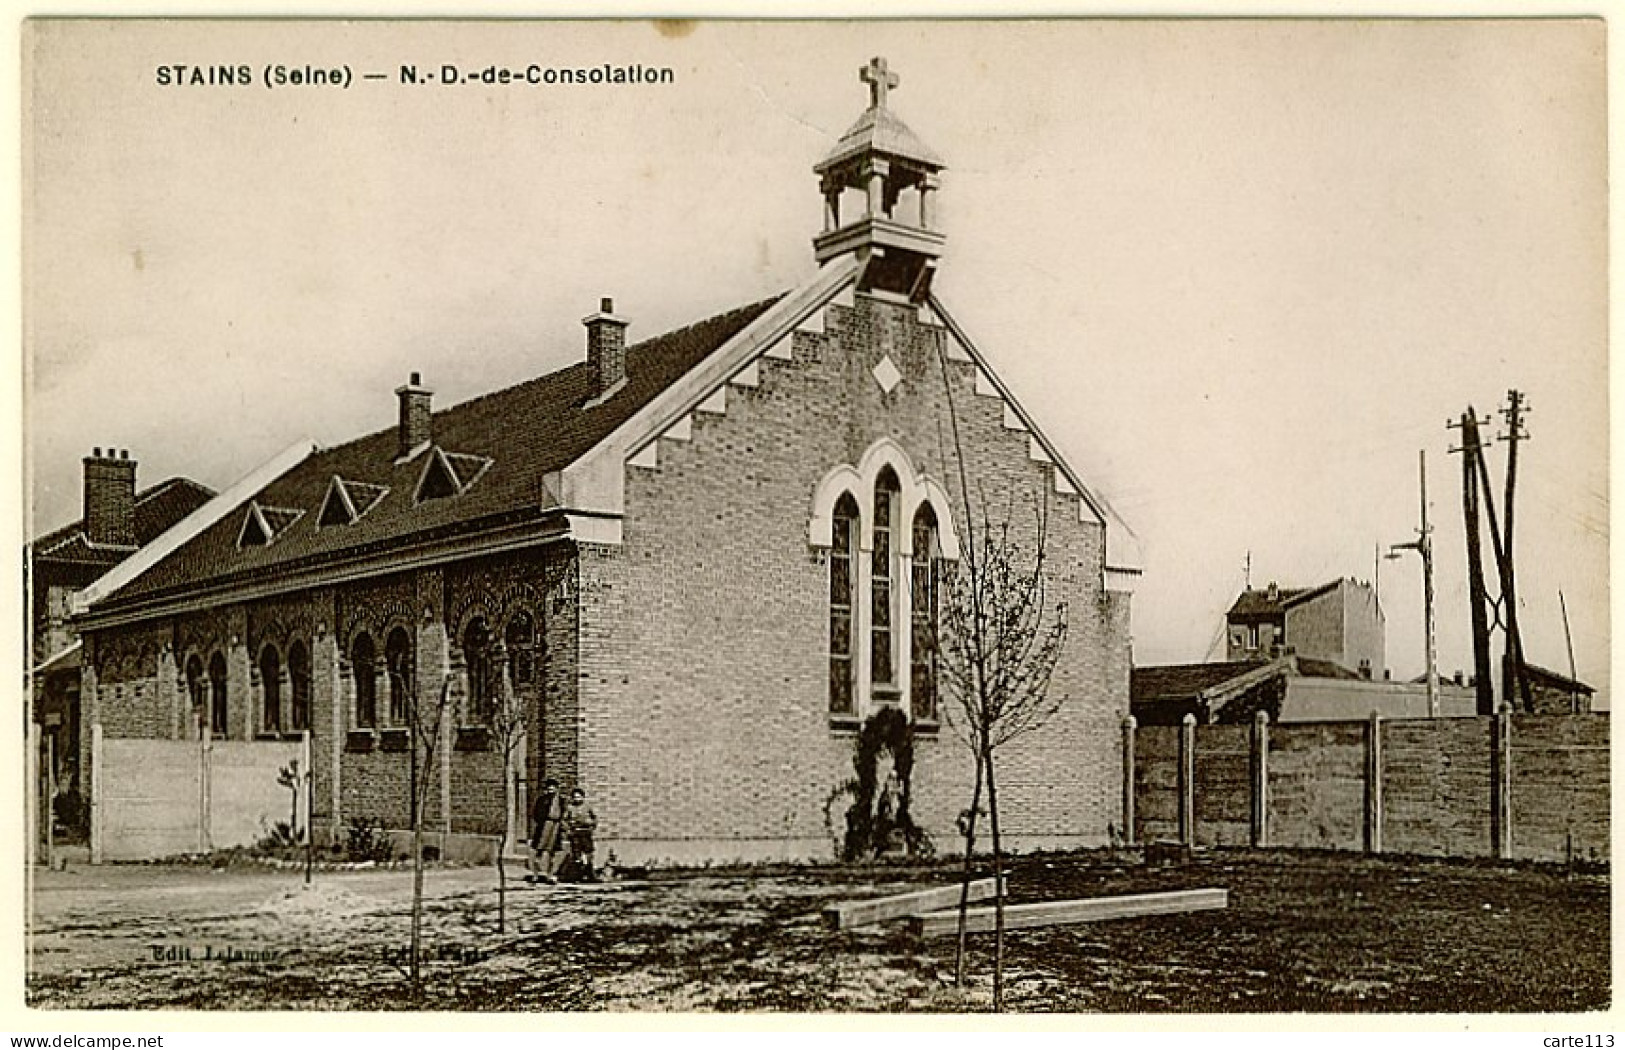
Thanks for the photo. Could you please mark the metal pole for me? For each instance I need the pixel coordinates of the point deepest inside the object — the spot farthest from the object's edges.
(1574, 675)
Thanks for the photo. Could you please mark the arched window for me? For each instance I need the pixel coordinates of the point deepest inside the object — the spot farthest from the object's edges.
(364, 673)
(271, 689)
(398, 665)
(477, 659)
(882, 581)
(923, 623)
(197, 690)
(217, 695)
(298, 687)
(843, 590)
(521, 641)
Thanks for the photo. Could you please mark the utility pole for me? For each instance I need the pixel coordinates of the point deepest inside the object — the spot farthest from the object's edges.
(1482, 681)
(1574, 674)
(1512, 676)
(1423, 545)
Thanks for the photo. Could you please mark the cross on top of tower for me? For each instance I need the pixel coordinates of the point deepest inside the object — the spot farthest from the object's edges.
(880, 80)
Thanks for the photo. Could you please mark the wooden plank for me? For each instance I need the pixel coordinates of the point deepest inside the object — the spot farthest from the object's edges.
(863, 913)
(1058, 913)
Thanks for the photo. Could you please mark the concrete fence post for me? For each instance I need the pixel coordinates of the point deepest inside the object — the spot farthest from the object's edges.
(33, 811)
(1259, 795)
(307, 785)
(1128, 780)
(205, 789)
(1501, 783)
(1187, 781)
(96, 793)
(1373, 783)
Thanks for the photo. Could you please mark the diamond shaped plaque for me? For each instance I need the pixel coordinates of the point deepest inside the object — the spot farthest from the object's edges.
(887, 375)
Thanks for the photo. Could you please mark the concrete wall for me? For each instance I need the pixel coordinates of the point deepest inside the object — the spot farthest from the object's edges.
(1336, 699)
(1535, 789)
(157, 798)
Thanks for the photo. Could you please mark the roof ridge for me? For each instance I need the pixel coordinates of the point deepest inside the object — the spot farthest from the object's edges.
(511, 387)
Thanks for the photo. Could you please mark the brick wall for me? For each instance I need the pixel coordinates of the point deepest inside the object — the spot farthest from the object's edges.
(704, 637)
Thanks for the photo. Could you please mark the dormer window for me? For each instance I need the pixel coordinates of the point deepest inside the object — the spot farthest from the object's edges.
(347, 501)
(448, 474)
(262, 524)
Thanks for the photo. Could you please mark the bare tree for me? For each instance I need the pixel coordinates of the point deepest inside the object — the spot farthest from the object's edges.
(999, 644)
(428, 723)
(509, 729)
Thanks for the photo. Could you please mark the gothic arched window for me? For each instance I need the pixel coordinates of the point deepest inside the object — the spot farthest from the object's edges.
(298, 687)
(923, 622)
(882, 582)
(271, 689)
(398, 665)
(364, 675)
(197, 690)
(477, 660)
(843, 590)
(520, 638)
(217, 695)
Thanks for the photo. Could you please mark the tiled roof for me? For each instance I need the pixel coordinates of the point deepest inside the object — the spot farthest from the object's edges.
(1184, 681)
(879, 130)
(525, 432)
(1555, 680)
(1267, 602)
(156, 510)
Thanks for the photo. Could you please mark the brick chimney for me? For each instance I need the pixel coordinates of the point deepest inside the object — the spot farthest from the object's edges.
(606, 347)
(110, 497)
(415, 417)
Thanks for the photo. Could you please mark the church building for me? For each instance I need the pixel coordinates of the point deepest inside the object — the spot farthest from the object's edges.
(694, 564)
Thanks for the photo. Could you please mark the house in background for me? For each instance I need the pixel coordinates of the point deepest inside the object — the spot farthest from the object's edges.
(1551, 693)
(1305, 654)
(118, 521)
(1340, 621)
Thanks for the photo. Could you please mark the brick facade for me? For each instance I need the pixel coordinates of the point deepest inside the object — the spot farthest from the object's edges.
(704, 640)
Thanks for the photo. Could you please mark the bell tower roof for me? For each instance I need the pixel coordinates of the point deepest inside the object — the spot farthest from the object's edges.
(879, 130)
(888, 166)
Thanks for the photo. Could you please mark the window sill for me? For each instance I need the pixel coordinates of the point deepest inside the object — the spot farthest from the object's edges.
(394, 740)
(845, 725)
(359, 740)
(927, 727)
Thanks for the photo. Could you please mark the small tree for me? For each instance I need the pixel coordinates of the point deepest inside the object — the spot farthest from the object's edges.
(999, 647)
(509, 729)
(427, 723)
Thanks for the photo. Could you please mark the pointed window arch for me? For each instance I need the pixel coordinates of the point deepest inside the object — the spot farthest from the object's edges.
(218, 708)
(398, 665)
(197, 691)
(298, 687)
(271, 689)
(843, 600)
(482, 688)
(364, 677)
(923, 616)
(882, 585)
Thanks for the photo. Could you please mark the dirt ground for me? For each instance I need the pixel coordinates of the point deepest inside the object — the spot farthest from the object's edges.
(1304, 932)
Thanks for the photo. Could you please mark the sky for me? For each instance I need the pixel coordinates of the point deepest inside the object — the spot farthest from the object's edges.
(1240, 272)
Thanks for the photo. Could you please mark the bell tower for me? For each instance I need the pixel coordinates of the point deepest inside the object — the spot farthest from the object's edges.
(895, 177)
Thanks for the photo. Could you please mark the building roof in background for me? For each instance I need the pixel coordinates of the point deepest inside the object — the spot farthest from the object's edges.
(1183, 681)
(1557, 681)
(1273, 600)
(498, 447)
(157, 509)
